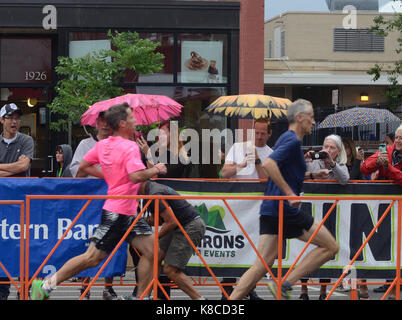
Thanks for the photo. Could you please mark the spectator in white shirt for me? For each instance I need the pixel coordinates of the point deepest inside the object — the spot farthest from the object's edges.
(244, 159)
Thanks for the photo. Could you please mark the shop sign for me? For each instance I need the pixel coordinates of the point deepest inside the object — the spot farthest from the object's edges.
(25, 60)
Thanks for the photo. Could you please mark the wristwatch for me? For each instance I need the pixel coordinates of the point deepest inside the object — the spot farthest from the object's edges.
(257, 161)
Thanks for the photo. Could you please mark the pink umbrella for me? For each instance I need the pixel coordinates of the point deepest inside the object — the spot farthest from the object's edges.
(147, 108)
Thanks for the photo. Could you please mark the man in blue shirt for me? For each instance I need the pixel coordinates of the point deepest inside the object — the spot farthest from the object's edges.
(286, 168)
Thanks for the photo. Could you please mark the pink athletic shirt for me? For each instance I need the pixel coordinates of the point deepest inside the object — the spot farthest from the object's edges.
(118, 157)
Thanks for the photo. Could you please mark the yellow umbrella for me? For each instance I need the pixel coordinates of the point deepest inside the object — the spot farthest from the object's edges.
(253, 106)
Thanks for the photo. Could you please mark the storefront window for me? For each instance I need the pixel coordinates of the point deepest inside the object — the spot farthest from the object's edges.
(82, 43)
(166, 41)
(25, 60)
(202, 58)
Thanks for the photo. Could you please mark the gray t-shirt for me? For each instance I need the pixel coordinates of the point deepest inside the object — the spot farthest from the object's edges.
(22, 145)
(83, 147)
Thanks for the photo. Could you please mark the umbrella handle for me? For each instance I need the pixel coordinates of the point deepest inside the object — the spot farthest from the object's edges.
(85, 129)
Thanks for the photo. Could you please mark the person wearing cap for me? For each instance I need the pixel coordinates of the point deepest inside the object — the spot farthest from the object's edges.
(16, 148)
(16, 152)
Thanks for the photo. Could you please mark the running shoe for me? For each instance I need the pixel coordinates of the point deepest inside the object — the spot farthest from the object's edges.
(109, 294)
(37, 292)
(286, 290)
(343, 287)
(253, 296)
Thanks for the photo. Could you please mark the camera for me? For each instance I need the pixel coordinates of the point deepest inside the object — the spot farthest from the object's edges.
(318, 155)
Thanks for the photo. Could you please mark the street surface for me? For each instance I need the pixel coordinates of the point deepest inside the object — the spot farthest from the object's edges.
(72, 292)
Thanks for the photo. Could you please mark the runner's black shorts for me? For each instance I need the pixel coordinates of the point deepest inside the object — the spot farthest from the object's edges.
(293, 225)
(113, 227)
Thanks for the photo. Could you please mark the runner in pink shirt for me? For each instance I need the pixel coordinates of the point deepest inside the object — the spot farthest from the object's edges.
(116, 170)
(122, 169)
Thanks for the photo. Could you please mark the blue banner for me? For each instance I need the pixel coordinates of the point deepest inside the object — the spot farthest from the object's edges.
(49, 219)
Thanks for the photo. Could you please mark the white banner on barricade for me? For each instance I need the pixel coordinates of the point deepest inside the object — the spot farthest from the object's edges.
(225, 247)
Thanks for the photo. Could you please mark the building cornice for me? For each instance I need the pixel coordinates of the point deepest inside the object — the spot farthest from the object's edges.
(123, 14)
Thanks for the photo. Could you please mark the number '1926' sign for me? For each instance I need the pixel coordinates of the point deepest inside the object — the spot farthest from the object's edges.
(25, 60)
(35, 75)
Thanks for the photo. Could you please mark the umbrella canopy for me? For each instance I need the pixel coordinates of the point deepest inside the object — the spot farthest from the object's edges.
(358, 117)
(147, 108)
(253, 106)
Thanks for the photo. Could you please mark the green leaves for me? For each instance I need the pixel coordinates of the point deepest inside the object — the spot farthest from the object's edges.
(384, 27)
(96, 76)
(134, 53)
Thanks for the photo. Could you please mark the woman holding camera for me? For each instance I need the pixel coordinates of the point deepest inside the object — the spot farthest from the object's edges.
(332, 157)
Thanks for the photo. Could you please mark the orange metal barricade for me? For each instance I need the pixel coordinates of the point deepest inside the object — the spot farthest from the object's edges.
(19, 285)
(279, 279)
(398, 262)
